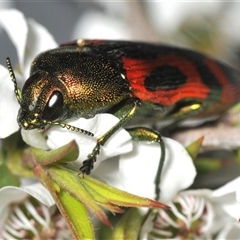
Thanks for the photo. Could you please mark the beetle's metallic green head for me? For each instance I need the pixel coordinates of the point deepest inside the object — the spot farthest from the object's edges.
(41, 102)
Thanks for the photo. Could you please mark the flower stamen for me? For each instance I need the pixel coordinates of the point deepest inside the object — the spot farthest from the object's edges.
(27, 219)
(190, 217)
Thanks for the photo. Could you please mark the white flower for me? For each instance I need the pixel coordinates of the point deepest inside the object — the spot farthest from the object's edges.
(200, 214)
(168, 16)
(29, 38)
(96, 25)
(137, 169)
(16, 202)
(118, 144)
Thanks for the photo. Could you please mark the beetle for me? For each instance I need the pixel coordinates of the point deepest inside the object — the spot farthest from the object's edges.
(137, 82)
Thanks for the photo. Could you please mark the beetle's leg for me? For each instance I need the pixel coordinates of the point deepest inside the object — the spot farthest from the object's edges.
(125, 112)
(144, 134)
(182, 113)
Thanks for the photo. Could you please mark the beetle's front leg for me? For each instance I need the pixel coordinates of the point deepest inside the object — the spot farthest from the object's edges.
(92, 157)
(125, 112)
(143, 134)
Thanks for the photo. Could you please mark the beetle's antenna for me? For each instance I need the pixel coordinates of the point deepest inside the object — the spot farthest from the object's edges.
(70, 127)
(17, 91)
(75, 129)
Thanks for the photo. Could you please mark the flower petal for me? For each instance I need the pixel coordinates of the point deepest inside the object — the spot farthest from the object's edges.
(14, 23)
(34, 138)
(38, 40)
(226, 197)
(100, 124)
(8, 105)
(138, 170)
(94, 25)
(29, 37)
(229, 187)
(10, 194)
(229, 231)
(226, 207)
(39, 192)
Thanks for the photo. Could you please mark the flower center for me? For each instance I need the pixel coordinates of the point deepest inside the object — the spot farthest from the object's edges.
(189, 217)
(27, 220)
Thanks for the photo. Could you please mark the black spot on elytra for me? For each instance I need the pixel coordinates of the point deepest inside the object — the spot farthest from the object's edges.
(164, 77)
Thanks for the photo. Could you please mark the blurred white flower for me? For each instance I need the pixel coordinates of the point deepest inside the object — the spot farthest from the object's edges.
(95, 25)
(167, 16)
(25, 212)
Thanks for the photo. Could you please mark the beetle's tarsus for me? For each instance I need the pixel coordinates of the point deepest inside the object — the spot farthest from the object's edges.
(88, 164)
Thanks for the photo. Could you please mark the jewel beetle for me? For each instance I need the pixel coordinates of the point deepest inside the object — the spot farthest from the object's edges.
(137, 82)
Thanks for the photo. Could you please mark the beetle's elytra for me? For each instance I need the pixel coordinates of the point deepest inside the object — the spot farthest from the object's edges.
(132, 80)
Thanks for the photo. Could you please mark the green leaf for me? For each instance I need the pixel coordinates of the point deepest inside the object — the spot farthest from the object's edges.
(121, 198)
(69, 180)
(208, 165)
(66, 153)
(75, 193)
(74, 211)
(7, 178)
(18, 163)
(194, 148)
(77, 214)
(129, 225)
(92, 193)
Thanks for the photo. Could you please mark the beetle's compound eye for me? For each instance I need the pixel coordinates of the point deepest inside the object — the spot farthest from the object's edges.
(54, 107)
